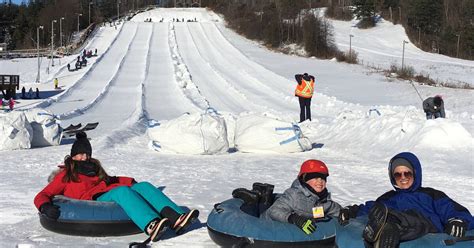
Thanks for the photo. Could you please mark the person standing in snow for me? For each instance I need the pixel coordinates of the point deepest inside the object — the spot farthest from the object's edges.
(23, 92)
(84, 178)
(410, 211)
(30, 93)
(56, 83)
(434, 107)
(303, 204)
(11, 104)
(304, 91)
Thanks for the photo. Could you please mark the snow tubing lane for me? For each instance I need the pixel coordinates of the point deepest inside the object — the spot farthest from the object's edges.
(350, 236)
(229, 226)
(89, 218)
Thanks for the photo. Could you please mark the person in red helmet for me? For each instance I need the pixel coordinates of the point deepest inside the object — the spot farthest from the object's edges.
(307, 200)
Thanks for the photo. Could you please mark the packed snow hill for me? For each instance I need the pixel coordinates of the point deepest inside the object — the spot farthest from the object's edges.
(198, 111)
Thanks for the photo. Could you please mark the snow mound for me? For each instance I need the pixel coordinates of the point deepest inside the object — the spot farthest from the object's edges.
(191, 134)
(15, 131)
(390, 130)
(263, 134)
(443, 134)
(46, 131)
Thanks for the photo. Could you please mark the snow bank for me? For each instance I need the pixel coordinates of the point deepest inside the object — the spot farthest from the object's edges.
(263, 134)
(443, 134)
(25, 129)
(46, 131)
(393, 131)
(15, 131)
(191, 134)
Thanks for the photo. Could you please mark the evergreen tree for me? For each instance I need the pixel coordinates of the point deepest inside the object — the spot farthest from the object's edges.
(365, 11)
(426, 15)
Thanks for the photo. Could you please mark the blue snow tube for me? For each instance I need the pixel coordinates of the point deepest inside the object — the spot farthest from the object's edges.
(89, 218)
(229, 226)
(351, 236)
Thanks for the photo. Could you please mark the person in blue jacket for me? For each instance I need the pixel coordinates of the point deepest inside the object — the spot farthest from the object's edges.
(410, 211)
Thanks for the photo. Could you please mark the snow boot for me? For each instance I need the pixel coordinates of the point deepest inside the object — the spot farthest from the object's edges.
(185, 220)
(249, 197)
(266, 193)
(377, 219)
(389, 237)
(156, 228)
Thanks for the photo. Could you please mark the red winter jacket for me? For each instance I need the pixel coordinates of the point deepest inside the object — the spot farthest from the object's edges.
(85, 189)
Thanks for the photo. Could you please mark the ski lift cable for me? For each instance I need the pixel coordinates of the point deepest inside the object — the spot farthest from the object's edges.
(421, 98)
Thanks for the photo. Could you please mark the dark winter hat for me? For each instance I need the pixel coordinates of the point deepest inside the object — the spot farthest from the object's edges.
(81, 145)
(309, 176)
(399, 162)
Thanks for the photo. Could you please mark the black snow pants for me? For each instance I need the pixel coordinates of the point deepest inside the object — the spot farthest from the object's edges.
(412, 224)
(305, 108)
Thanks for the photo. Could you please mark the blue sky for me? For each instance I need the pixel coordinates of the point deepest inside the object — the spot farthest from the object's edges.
(16, 1)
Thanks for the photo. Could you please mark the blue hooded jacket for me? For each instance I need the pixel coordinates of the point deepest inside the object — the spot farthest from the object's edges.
(433, 204)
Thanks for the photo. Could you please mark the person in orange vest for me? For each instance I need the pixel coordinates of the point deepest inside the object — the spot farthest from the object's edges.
(304, 92)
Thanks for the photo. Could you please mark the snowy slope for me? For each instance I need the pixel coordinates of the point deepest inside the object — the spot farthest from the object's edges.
(160, 70)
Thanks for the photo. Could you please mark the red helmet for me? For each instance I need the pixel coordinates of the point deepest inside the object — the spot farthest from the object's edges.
(313, 166)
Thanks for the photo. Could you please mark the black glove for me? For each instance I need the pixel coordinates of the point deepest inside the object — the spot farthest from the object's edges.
(112, 180)
(50, 210)
(347, 213)
(456, 227)
(303, 223)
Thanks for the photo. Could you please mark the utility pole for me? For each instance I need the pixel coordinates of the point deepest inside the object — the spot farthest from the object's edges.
(457, 47)
(400, 14)
(78, 23)
(38, 52)
(118, 10)
(52, 41)
(350, 46)
(90, 3)
(61, 31)
(403, 53)
(419, 35)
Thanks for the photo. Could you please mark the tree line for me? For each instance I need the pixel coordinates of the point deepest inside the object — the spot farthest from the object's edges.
(19, 23)
(278, 22)
(440, 26)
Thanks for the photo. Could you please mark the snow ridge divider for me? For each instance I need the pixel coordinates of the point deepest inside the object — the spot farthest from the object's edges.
(182, 74)
(80, 111)
(67, 92)
(137, 123)
(250, 63)
(219, 74)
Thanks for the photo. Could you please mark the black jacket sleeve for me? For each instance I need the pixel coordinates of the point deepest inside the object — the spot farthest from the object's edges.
(298, 78)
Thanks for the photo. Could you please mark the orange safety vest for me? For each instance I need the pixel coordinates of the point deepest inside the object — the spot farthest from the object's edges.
(305, 89)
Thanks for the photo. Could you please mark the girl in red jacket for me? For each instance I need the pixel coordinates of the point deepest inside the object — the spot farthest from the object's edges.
(84, 178)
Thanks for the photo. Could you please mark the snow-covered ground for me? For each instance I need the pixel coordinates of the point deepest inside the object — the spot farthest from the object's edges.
(159, 70)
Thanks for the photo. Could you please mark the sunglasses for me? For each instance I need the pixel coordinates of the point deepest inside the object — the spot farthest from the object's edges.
(406, 174)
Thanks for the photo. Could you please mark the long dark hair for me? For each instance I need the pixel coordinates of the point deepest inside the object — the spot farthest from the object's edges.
(71, 170)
